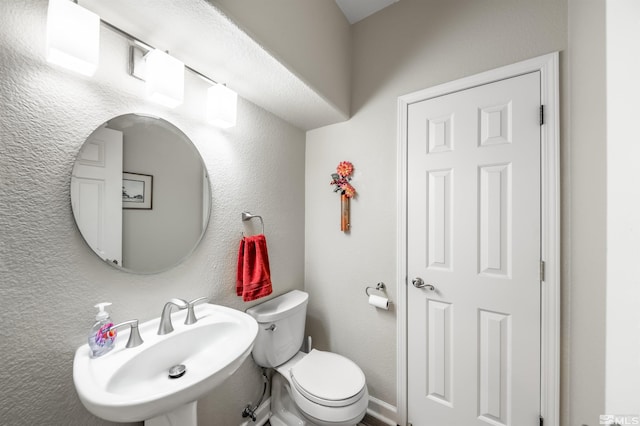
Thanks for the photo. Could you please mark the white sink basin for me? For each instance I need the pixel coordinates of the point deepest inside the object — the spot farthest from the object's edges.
(133, 384)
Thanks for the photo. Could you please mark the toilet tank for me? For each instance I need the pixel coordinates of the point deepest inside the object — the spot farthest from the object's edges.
(280, 328)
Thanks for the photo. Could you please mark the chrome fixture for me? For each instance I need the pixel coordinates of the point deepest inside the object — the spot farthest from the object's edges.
(248, 216)
(251, 411)
(134, 333)
(419, 283)
(177, 371)
(166, 326)
(191, 315)
(380, 287)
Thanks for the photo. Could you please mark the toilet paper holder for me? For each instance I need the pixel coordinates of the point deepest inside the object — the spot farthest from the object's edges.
(380, 302)
(379, 287)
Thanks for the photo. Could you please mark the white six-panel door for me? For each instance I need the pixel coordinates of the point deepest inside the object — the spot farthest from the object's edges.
(473, 232)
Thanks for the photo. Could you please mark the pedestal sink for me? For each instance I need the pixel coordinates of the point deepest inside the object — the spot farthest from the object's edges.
(133, 384)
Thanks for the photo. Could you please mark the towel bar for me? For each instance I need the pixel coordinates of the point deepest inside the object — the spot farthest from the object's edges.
(248, 216)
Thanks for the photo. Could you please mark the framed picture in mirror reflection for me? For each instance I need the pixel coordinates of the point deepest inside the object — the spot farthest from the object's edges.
(137, 191)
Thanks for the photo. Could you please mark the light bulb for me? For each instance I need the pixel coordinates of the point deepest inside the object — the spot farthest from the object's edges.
(221, 106)
(164, 77)
(73, 37)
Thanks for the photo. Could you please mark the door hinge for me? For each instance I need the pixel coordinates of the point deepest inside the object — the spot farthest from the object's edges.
(542, 270)
(541, 421)
(541, 115)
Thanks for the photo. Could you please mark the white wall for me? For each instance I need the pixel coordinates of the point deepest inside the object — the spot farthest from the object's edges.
(49, 278)
(584, 223)
(412, 45)
(623, 208)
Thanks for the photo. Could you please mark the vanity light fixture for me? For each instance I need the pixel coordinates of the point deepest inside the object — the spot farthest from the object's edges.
(73, 37)
(221, 106)
(164, 76)
(73, 41)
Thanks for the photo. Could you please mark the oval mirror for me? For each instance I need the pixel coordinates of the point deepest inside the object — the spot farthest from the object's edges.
(140, 193)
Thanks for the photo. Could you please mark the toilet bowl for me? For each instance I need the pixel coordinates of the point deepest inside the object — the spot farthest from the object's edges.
(316, 388)
(327, 388)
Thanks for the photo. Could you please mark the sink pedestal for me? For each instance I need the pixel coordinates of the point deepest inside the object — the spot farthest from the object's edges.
(185, 415)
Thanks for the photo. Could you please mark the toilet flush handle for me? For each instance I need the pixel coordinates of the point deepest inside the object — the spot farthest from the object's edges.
(272, 327)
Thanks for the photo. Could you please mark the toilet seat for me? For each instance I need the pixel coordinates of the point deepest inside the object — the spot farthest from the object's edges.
(328, 379)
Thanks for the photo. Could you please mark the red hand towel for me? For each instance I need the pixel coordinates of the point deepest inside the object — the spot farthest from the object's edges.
(240, 270)
(256, 275)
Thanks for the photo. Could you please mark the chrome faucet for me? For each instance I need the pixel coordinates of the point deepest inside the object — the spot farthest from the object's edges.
(191, 315)
(134, 334)
(165, 319)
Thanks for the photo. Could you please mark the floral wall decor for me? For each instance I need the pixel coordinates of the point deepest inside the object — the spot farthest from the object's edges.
(341, 180)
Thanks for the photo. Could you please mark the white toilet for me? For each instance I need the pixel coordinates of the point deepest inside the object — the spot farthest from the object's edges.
(318, 388)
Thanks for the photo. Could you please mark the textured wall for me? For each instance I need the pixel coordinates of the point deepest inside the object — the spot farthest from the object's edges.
(312, 38)
(49, 278)
(411, 45)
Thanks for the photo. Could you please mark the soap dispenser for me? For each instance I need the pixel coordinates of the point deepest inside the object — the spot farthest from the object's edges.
(102, 336)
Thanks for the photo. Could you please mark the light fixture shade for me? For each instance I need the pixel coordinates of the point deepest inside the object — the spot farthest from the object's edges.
(221, 106)
(164, 77)
(73, 37)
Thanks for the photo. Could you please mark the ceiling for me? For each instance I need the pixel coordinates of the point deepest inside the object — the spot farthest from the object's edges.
(356, 10)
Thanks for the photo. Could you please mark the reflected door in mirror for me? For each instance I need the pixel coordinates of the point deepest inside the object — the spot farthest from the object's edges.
(96, 193)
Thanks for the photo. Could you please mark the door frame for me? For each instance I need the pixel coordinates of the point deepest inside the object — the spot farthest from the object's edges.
(548, 65)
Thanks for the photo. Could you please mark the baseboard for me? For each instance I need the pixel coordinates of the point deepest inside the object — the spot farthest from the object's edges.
(262, 414)
(381, 412)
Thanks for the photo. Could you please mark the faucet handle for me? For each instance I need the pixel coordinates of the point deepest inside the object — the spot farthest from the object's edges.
(191, 315)
(134, 334)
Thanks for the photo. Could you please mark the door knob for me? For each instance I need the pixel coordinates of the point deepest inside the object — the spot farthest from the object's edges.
(419, 283)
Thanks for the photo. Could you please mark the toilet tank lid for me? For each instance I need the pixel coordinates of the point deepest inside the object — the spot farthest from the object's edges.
(279, 307)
